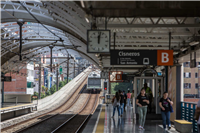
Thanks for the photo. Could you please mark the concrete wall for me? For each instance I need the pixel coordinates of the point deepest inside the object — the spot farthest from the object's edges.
(60, 96)
(21, 98)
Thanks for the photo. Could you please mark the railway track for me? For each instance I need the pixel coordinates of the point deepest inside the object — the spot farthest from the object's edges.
(75, 123)
(22, 126)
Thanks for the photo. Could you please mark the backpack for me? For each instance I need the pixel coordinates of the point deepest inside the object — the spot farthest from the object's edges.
(115, 103)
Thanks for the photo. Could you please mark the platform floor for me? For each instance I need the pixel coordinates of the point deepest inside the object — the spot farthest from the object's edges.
(126, 124)
(12, 104)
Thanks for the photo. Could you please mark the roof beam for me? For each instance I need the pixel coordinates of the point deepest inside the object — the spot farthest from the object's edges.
(149, 25)
(153, 34)
(147, 40)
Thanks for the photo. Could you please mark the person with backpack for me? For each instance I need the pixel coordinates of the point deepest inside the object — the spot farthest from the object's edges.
(165, 104)
(125, 99)
(116, 104)
(142, 103)
(121, 102)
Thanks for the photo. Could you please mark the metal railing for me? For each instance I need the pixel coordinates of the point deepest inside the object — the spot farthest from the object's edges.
(187, 113)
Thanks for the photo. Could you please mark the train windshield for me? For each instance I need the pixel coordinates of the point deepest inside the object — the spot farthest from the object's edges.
(94, 82)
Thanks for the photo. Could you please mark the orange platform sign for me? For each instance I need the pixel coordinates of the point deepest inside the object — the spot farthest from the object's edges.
(165, 57)
(118, 76)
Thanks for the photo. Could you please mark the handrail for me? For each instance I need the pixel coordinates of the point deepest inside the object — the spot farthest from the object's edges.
(188, 112)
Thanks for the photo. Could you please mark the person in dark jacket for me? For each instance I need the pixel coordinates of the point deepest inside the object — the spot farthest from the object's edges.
(121, 102)
(125, 99)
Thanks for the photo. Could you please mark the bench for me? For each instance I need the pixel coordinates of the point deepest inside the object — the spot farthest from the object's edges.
(183, 126)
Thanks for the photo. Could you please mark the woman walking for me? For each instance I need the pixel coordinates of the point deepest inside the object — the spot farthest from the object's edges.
(142, 102)
(116, 104)
(165, 103)
(128, 98)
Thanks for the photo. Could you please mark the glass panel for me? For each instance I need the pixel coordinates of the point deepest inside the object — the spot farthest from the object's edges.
(159, 93)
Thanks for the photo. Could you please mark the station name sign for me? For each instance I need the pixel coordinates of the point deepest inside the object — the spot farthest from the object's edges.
(142, 57)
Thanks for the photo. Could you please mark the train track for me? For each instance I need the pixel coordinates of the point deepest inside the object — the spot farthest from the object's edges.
(75, 123)
(22, 126)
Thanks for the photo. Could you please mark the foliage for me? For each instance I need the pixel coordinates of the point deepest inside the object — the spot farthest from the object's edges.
(121, 86)
(51, 90)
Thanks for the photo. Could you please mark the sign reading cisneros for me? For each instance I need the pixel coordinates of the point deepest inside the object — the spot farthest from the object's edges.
(133, 57)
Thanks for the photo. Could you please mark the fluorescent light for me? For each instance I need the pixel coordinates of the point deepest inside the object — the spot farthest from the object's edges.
(183, 49)
(82, 4)
(193, 43)
(175, 52)
(87, 20)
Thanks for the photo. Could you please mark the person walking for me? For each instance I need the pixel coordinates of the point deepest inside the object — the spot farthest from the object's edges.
(142, 102)
(125, 100)
(121, 102)
(149, 95)
(165, 103)
(128, 99)
(116, 104)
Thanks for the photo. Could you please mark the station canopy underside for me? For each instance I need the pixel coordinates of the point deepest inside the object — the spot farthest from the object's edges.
(138, 25)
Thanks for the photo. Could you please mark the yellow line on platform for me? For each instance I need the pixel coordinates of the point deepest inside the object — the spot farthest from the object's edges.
(100, 126)
(15, 106)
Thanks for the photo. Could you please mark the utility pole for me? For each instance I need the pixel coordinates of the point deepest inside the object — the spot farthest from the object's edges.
(68, 68)
(51, 52)
(74, 68)
(20, 22)
(57, 79)
(39, 86)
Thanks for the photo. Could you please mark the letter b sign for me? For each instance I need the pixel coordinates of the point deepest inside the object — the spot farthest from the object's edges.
(165, 57)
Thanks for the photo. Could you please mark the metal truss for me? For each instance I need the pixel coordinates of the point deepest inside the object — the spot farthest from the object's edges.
(150, 32)
(65, 19)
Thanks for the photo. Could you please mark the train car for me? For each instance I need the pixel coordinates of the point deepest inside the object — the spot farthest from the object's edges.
(94, 81)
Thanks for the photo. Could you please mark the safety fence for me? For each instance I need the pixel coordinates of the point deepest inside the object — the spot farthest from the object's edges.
(187, 113)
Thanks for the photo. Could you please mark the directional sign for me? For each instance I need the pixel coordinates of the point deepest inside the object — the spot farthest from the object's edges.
(142, 57)
(133, 57)
(6, 78)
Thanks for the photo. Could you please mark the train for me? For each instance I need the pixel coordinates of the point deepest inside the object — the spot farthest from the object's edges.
(94, 80)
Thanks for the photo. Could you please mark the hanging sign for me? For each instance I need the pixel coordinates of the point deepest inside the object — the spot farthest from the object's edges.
(6, 78)
(141, 57)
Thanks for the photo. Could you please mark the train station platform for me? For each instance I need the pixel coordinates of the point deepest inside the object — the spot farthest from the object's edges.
(126, 123)
(11, 110)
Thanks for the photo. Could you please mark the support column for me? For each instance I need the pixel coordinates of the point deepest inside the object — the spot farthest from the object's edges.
(68, 68)
(2, 88)
(166, 78)
(57, 82)
(39, 84)
(178, 92)
(20, 23)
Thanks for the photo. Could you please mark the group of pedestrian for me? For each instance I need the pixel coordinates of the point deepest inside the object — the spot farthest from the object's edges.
(143, 102)
(119, 102)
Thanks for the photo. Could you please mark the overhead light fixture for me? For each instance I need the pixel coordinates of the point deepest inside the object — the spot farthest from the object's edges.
(183, 49)
(193, 43)
(175, 52)
(87, 20)
(82, 4)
